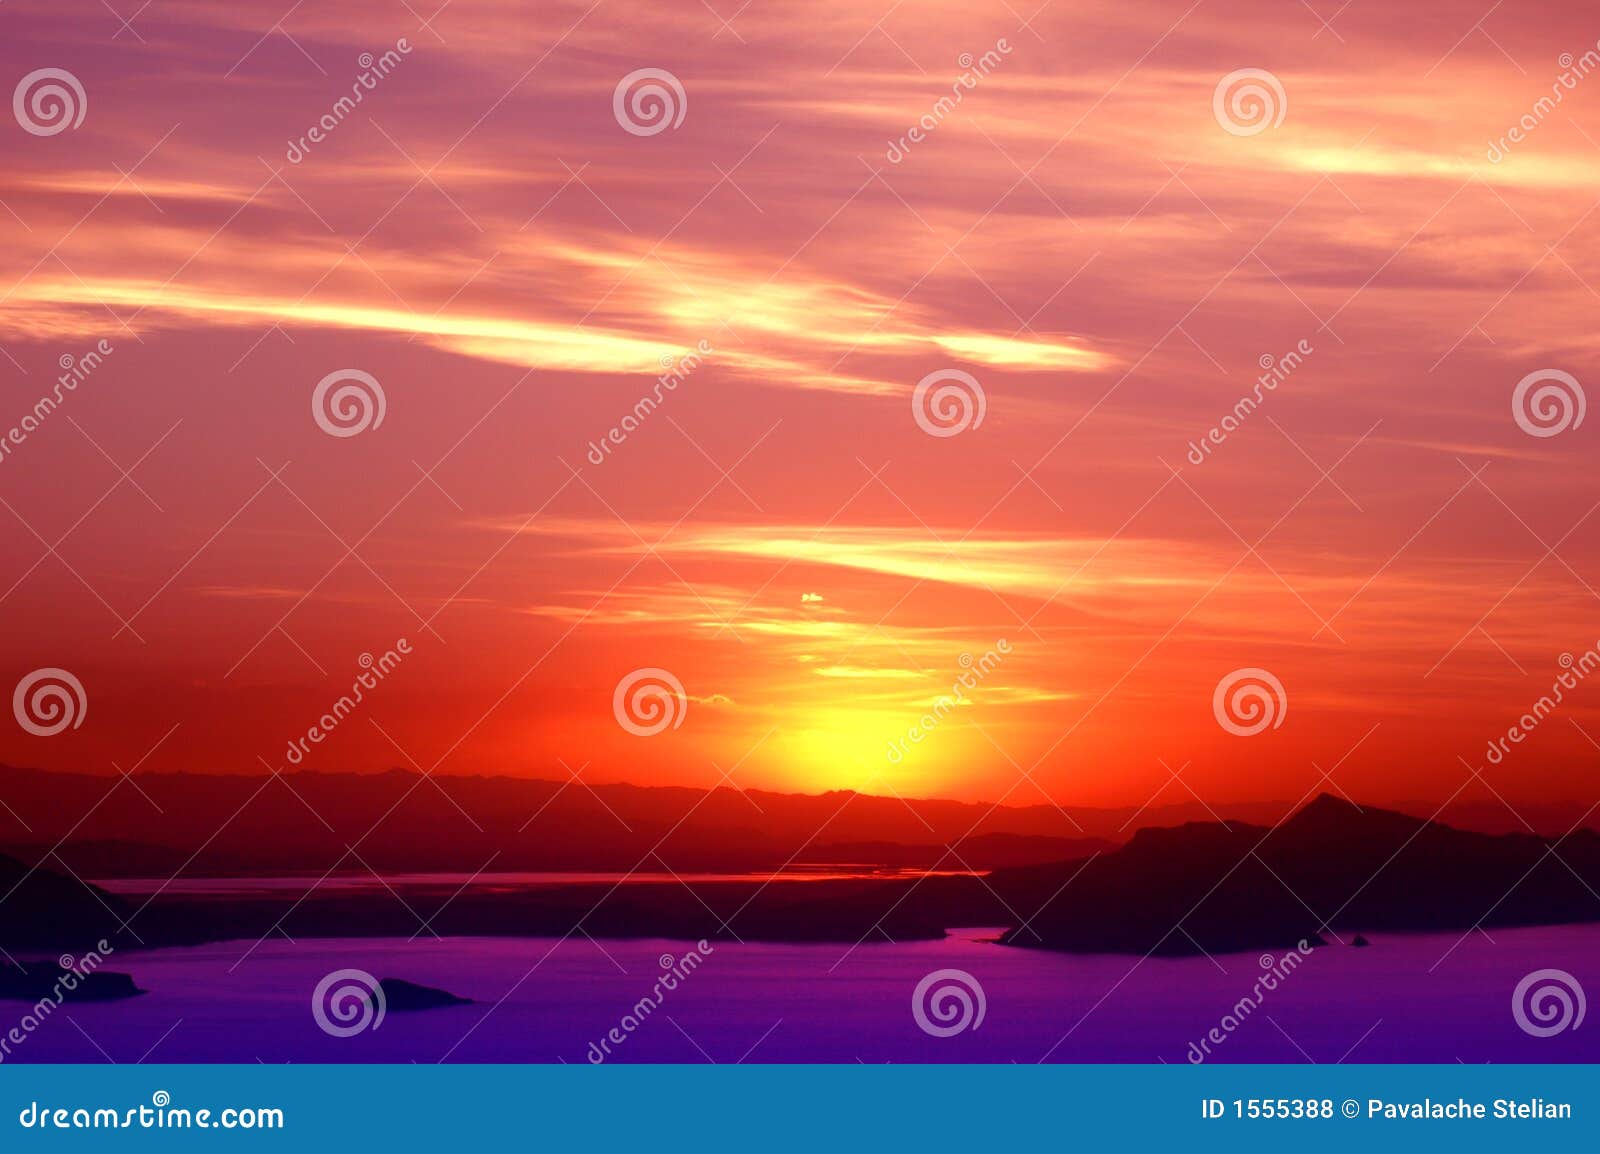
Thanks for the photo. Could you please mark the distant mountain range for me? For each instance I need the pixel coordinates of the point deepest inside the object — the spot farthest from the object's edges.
(398, 822)
(401, 822)
(1330, 869)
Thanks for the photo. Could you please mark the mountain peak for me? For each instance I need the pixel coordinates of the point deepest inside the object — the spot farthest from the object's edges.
(1330, 804)
(1331, 818)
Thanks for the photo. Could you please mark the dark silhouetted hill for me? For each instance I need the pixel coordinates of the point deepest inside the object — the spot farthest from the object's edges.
(1330, 867)
(44, 909)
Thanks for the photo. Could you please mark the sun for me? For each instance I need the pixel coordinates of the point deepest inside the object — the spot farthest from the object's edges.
(867, 750)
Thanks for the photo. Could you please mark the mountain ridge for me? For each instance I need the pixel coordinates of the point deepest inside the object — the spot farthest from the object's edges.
(1329, 868)
(404, 821)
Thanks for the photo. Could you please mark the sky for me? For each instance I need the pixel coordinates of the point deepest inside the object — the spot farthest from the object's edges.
(1133, 215)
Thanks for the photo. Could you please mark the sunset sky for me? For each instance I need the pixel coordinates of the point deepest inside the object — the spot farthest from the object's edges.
(1081, 234)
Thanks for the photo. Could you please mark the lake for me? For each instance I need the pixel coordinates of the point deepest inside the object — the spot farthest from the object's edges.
(542, 1000)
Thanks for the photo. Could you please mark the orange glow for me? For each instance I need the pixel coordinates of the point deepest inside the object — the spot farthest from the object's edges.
(651, 399)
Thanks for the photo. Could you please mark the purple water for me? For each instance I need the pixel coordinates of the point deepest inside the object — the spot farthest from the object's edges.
(537, 1000)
